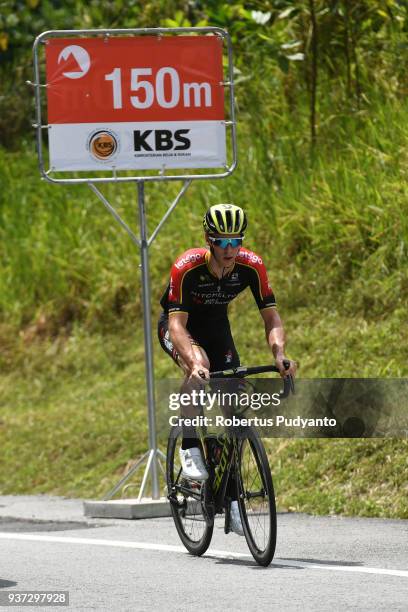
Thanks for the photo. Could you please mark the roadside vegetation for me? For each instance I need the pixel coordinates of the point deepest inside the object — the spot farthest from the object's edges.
(323, 168)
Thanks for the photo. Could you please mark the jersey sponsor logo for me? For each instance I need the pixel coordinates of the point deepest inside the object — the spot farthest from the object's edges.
(175, 308)
(171, 289)
(187, 259)
(214, 294)
(205, 281)
(249, 256)
(220, 300)
(228, 356)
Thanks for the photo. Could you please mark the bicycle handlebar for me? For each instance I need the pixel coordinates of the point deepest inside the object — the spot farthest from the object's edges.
(242, 371)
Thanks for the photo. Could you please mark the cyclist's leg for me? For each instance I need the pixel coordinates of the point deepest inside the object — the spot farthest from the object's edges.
(221, 348)
(168, 347)
(164, 338)
(223, 355)
(190, 439)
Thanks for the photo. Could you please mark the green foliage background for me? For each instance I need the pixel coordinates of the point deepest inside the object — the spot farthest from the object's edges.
(322, 133)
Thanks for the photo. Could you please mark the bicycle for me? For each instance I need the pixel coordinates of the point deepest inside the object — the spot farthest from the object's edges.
(241, 459)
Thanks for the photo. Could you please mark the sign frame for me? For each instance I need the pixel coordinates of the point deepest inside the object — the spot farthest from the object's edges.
(116, 177)
(154, 456)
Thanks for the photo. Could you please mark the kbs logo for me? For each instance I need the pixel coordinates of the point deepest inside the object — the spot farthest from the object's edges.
(103, 145)
(161, 140)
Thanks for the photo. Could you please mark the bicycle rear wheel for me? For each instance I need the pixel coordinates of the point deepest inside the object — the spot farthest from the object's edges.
(256, 498)
(186, 499)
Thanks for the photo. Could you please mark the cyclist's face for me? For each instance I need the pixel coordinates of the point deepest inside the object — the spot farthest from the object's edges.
(225, 256)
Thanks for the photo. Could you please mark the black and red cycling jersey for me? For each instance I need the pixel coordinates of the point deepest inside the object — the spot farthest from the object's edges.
(194, 289)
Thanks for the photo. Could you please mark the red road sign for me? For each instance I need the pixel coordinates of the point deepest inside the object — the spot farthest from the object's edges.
(140, 102)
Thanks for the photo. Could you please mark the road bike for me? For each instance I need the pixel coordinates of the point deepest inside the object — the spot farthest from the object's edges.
(238, 468)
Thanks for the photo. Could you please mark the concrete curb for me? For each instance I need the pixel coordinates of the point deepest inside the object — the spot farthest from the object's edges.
(127, 508)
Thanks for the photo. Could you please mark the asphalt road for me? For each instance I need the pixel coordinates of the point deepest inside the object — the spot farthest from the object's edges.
(321, 563)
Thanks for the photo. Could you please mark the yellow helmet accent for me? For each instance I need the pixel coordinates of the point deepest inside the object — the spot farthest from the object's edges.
(225, 219)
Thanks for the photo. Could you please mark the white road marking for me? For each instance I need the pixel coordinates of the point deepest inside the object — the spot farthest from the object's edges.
(223, 554)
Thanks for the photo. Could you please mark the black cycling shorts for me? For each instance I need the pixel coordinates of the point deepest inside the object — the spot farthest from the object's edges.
(216, 340)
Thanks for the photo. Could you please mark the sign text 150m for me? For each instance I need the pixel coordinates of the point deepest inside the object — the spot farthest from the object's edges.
(145, 93)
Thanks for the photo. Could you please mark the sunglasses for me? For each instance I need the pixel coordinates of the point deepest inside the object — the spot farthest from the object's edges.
(224, 242)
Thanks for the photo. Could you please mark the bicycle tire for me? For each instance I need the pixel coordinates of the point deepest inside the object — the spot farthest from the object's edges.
(192, 527)
(258, 517)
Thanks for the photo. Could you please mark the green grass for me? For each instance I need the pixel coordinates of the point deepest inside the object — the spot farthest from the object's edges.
(73, 416)
(333, 234)
(349, 477)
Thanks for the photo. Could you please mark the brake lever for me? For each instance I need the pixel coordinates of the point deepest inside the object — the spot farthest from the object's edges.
(288, 382)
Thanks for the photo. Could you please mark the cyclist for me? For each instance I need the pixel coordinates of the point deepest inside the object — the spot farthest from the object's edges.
(194, 328)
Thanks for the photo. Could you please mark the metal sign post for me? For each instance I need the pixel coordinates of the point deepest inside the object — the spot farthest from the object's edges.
(141, 100)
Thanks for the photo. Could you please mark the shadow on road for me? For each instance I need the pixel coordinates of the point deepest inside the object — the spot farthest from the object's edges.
(276, 564)
(251, 563)
(18, 525)
(324, 562)
(5, 584)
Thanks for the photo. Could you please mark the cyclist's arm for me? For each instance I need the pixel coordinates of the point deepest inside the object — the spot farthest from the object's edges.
(275, 337)
(265, 299)
(182, 343)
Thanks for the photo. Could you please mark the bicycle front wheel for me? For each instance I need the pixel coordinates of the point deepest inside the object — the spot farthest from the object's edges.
(256, 498)
(186, 499)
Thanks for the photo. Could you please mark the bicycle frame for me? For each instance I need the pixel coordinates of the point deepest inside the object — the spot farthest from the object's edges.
(219, 475)
(238, 472)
